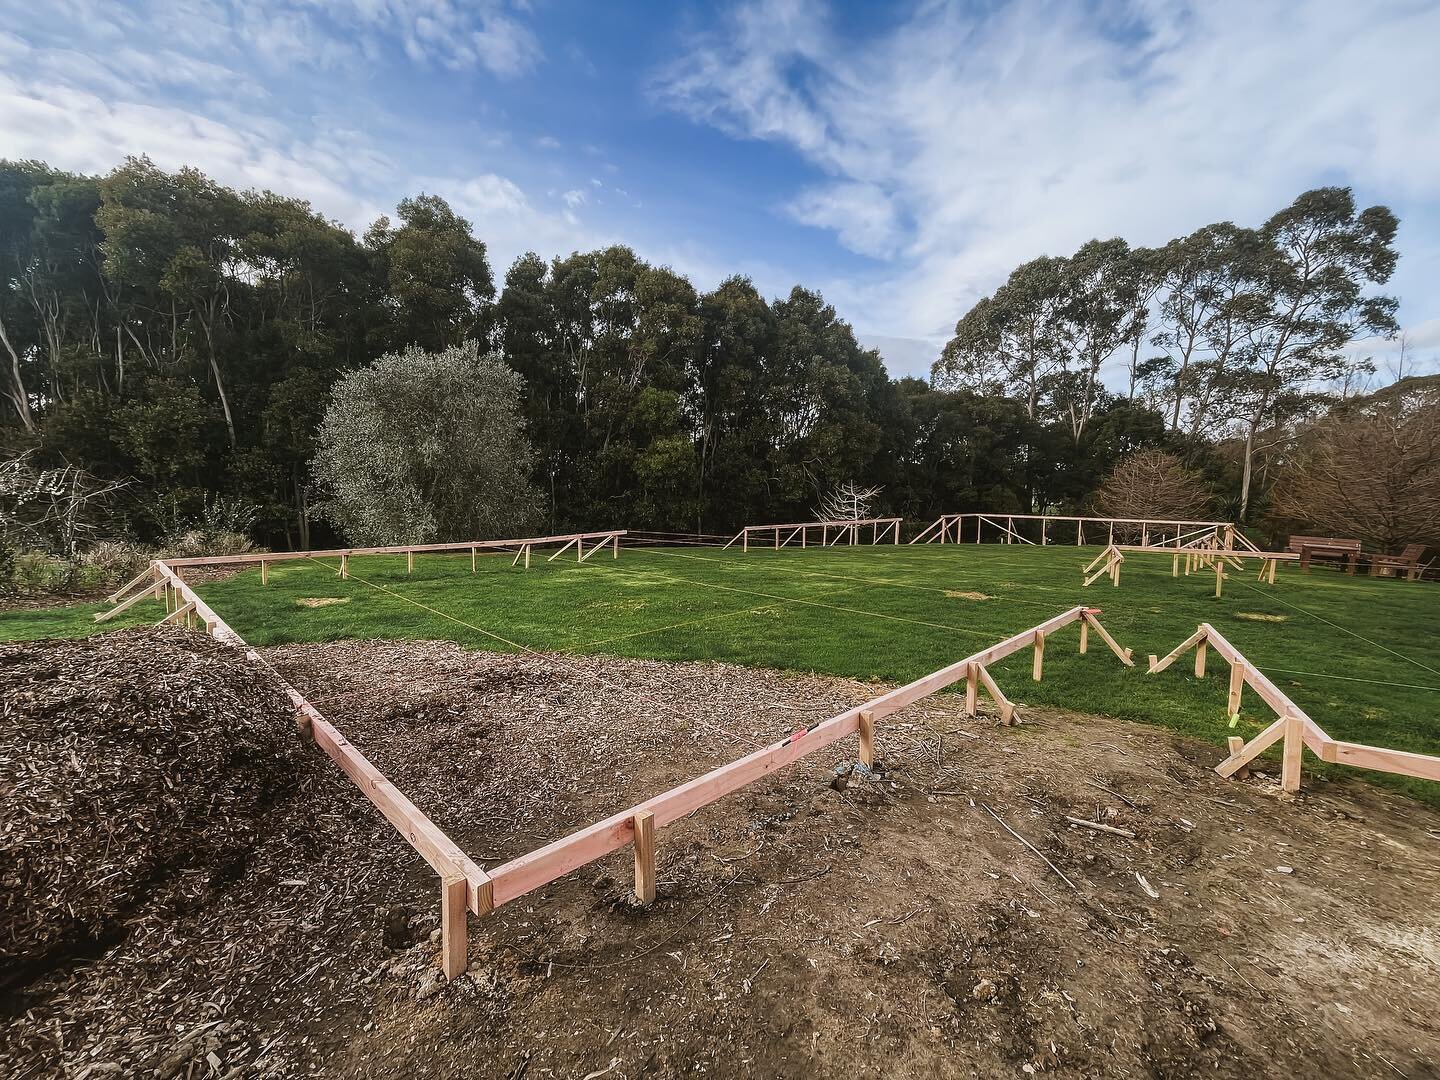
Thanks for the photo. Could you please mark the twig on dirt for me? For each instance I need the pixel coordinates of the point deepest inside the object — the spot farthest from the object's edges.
(737, 858)
(1112, 791)
(895, 922)
(1098, 827)
(1029, 845)
(614, 1063)
(749, 982)
(795, 880)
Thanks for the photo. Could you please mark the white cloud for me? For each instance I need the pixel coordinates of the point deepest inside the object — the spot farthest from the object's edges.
(180, 83)
(861, 214)
(511, 224)
(75, 129)
(973, 137)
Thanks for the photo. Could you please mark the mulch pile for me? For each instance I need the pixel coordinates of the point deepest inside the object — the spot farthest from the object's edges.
(135, 769)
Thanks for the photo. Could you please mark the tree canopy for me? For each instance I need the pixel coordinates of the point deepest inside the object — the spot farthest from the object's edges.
(164, 332)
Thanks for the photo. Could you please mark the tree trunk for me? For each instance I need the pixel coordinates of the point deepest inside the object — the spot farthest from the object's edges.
(219, 382)
(17, 394)
(1246, 471)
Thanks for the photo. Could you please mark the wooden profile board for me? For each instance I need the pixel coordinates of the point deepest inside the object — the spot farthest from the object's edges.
(1336, 751)
(485, 891)
(942, 523)
(544, 865)
(400, 549)
(799, 528)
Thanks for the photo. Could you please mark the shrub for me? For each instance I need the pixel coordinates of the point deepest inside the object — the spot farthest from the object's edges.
(114, 560)
(7, 567)
(39, 572)
(198, 542)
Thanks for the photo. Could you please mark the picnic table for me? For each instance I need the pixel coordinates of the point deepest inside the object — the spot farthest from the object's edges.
(1325, 547)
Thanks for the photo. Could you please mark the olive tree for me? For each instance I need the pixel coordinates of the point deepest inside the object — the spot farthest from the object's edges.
(424, 447)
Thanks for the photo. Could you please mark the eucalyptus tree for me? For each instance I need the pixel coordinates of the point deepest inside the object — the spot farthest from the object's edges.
(1308, 301)
(1010, 342)
(438, 285)
(1201, 274)
(1100, 289)
(171, 237)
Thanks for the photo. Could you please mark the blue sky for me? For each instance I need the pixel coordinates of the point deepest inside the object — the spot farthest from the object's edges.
(900, 158)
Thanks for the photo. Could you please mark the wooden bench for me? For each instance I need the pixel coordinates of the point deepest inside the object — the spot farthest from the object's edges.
(1407, 561)
(1325, 547)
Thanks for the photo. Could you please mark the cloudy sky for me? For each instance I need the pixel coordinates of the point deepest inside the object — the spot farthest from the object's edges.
(901, 158)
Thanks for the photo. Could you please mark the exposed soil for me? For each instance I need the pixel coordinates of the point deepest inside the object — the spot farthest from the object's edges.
(802, 928)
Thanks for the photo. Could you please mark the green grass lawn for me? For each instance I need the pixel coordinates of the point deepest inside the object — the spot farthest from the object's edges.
(1361, 656)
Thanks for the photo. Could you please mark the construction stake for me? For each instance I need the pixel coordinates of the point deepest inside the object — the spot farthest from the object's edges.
(644, 857)
(454, 934)
(867, 739)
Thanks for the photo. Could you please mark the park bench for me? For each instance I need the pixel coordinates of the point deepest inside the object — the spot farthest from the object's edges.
(1407, 561)
(1325, 547)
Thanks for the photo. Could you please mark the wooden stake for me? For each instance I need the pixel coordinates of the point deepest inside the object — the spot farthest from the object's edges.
(1237, 684)
(1007, 709)
(1175, 566)
(1250, 751)
(972, 690)
(409, 562)
(474, 553)
(1219, 576)
(644, 857)
(264, 572)
(1290, 756)
(1236, 744)
(1200, 659)
(1084, 636)
(454, 934)
(1039, 656)
(344, 566)
(527, 556)
(867, 739)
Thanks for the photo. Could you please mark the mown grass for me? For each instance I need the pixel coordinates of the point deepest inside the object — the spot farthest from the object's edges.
(1361, 656)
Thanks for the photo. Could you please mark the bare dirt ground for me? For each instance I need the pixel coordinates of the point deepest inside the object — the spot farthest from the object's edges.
(891, 928)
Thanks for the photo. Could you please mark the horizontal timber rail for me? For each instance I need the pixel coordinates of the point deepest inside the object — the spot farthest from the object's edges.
(544, 865)
(568, 539)
(1292, 727)
(956, 528)
(882, 530)
(1193, 557)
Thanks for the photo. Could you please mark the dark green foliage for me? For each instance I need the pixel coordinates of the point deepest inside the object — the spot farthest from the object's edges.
(161, 328)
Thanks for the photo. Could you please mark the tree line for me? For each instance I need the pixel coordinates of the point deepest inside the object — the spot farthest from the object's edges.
(1229, 329)
(161, 328)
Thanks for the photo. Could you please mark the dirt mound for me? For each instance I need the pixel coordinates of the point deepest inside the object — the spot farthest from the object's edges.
(133, 766)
